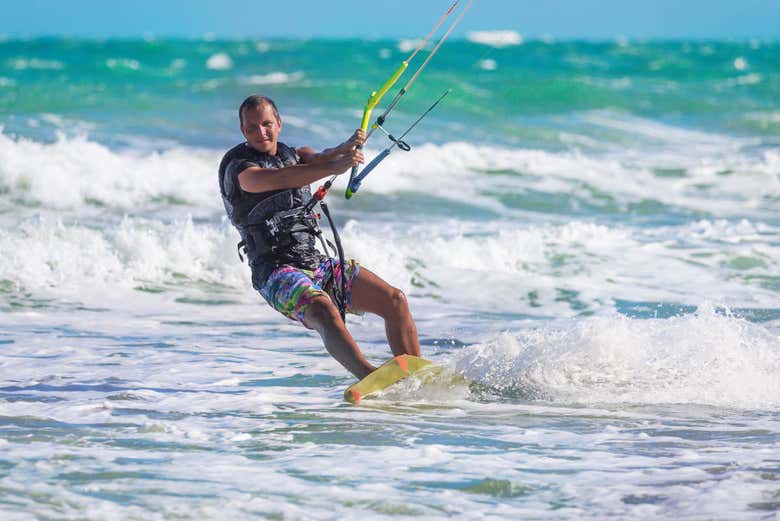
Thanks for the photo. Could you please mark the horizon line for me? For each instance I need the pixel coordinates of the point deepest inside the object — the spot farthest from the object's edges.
(546, 39)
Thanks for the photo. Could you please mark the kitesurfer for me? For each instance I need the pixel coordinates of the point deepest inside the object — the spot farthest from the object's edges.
(265, 187)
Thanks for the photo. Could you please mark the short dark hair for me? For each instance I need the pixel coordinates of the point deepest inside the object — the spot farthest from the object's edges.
(253, 101)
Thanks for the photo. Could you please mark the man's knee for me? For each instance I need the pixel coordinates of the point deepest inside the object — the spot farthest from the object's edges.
(398, 301)
(322, 313)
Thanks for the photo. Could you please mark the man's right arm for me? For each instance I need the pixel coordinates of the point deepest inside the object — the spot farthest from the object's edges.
(256, 179)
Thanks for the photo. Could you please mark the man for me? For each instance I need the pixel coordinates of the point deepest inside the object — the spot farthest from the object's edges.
(265, 186)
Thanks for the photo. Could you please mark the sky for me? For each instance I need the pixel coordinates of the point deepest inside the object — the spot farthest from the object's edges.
(562, 19)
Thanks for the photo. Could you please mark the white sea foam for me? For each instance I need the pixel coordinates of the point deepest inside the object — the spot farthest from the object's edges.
(135, 353)
(410, 45)
(749, 79)
(74, 172)
(140, 396)
(563, 266)
(219, 62)
(764, 117)
(36, 63)
(567, 268)
(76, 262)
(123, 63)
(275, 78)
(495, 38)
(705, 358)
(454, 170)
(563, 269)
(488, 65)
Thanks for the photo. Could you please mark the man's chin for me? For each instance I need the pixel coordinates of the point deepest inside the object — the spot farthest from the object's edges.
(263, 146)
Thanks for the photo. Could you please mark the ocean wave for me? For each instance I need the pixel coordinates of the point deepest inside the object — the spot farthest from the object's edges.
(495, 38)
(488, 64)
(572, 268)
(75, 172)
(409, 45)
(763, 117)
(555, 269)
(36, 63)
(721, 180)
(47, 258)
(275, 78)
(704, 358)
(219, 62)
(726, 178)
(123, 64)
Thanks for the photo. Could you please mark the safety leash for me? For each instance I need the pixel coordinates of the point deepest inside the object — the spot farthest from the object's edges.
(339, 286)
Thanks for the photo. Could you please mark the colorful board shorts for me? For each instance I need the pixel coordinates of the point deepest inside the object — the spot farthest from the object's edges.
(290, 290)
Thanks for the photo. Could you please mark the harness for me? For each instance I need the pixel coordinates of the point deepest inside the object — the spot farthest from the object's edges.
(280, 228)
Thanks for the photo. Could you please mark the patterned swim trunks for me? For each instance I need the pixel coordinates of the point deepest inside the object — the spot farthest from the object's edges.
(290, 290)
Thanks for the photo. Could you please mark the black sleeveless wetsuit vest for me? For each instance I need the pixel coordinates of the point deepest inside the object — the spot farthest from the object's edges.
(275, 229)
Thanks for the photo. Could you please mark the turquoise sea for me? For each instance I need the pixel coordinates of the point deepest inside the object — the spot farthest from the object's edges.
(589, 230)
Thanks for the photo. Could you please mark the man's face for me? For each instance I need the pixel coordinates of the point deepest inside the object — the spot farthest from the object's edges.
(261, 128)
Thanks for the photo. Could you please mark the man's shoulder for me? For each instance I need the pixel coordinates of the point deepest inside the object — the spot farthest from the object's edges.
(242, 150)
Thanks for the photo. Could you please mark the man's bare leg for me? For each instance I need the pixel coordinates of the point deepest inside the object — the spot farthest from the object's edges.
(324, 317)
(371, 293)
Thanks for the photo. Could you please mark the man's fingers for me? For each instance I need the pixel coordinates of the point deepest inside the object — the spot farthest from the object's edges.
(359, 137)
(347, 161)
(356, 157)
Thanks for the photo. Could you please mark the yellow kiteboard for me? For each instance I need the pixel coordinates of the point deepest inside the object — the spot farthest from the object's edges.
(392, 372)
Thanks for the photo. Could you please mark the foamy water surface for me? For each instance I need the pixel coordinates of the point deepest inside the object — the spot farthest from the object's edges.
(605, 275)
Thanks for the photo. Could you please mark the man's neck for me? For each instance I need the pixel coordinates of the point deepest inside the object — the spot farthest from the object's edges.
(270, 152)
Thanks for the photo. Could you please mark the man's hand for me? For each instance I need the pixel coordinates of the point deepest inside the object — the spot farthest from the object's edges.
(347, 160)
(356, 141)
(337, 159)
